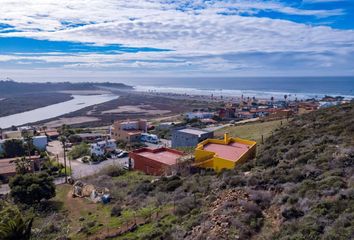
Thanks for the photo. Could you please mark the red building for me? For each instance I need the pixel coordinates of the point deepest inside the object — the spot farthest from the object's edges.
(160, 161)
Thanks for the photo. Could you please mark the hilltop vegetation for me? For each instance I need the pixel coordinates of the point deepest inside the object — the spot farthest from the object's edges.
(12, 87)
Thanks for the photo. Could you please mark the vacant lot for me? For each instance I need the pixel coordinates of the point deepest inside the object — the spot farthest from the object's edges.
(252, 131)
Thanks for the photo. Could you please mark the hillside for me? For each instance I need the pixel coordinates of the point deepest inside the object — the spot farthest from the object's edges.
(300, 186)
(8, 88)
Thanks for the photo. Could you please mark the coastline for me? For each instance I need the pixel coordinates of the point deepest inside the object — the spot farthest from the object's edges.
(154, 102)
(235, 93)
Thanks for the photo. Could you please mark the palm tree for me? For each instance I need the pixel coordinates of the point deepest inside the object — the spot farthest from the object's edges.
(23, 165)
(44, 128)
(15, 227)
(29, 142)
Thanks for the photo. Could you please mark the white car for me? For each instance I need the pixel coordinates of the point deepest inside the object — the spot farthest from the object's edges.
(122, 154)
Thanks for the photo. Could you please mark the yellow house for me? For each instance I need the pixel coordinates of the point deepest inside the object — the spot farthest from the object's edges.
(224, 154)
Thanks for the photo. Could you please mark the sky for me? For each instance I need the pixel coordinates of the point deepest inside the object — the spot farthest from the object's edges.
(99, 40)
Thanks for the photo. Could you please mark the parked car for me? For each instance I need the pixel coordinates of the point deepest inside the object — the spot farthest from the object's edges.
(118, 151)
(150, 138)
(122, 154)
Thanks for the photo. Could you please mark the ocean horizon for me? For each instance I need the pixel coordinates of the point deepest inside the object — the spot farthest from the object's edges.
(264, 87)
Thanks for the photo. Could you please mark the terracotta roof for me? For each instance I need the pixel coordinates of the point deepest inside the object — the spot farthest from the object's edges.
(52, 133)
(232, 151)
(163, 155)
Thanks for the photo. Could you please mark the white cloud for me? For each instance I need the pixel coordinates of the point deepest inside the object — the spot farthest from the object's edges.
(199, 36)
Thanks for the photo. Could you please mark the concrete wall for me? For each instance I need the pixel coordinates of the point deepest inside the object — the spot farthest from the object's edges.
(150, 166)
(147, 165)
(207, 159)
(182, 139)
(40, 142)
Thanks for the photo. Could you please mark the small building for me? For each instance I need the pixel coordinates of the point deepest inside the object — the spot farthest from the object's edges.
(102, 147)
(280, 114)
(227, 113)
(40, 142)
(199, 115)
(11, 134)
(260, 112)
(245, 115)
(159, 161)
(51, 134)
(223, 154)
(189, 137)
(128, 131)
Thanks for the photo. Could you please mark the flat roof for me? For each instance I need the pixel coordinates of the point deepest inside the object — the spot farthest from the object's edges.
(165, 156)
(8, 165)
(193, 131)
(232, 151)
(133, 132)
(83, 135)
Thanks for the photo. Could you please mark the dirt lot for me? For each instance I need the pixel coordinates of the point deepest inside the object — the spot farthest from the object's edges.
(140, 109)
(70, 121)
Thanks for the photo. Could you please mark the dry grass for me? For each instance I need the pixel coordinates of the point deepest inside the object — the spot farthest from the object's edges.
(252, 131)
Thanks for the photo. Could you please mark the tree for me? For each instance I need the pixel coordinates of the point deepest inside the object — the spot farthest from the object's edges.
(23, 165)
(83, 149)
(12, 224)
(28, 139)
(32, 188)
(13, 148)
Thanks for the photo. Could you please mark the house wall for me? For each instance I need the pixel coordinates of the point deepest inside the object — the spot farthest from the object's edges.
(182, 139)
(40, 142)
(207, 159)
(147, 165)
(150, 166)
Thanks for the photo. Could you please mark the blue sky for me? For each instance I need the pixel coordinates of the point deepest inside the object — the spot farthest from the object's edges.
(50, 40)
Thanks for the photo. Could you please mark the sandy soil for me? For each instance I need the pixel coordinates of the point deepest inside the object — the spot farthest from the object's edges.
(129, 105)
(86, 92)
(145, 109)
(70, 121)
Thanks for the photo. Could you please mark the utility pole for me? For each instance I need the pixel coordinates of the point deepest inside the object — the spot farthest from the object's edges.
(63, 141)
(66, 175)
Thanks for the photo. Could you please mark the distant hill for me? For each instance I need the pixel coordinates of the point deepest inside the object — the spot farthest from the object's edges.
(12, 87)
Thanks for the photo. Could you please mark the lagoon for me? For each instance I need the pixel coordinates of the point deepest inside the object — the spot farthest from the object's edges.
(78, 102)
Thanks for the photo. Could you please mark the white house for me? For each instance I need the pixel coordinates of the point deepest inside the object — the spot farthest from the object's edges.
(199, 115)
(100, 148)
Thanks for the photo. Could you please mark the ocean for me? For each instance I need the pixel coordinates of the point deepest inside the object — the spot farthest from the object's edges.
(262, 87)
